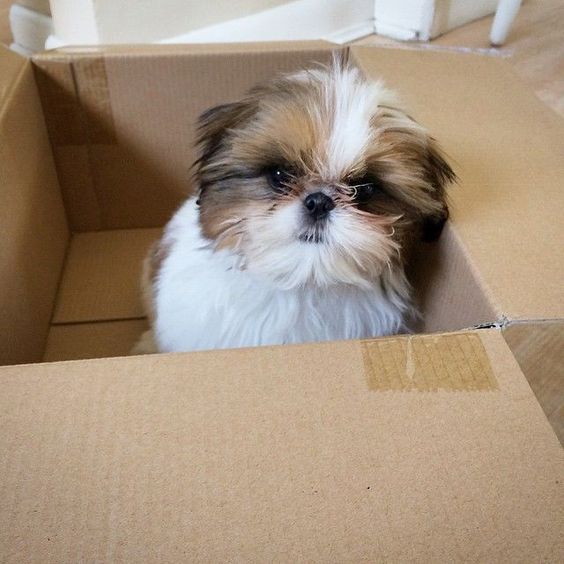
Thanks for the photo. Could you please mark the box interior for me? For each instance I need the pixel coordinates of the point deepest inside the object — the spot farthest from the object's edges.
(121, 128)
(103, 141)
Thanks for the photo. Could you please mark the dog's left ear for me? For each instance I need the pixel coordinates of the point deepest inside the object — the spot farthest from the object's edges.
(440, 175)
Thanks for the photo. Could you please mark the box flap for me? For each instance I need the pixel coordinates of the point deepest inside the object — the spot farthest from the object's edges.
(507, 149)
(34, 233)
(102, 276)
(317, 453)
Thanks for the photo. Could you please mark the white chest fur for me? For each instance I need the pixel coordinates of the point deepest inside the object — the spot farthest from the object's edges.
(204, 300)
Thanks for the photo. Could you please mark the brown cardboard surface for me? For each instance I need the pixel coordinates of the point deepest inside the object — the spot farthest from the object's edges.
(102, 276)
(125, 152)
(507, 148)
(449, 292)
(11, 65)
(539, 349)
(267, 454)
(34, 232)
(93, 340)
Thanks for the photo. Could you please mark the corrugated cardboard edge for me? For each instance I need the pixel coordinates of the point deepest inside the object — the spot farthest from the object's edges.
(159, 50)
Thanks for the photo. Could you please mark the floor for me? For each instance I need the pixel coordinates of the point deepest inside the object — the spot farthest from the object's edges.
(535, 46)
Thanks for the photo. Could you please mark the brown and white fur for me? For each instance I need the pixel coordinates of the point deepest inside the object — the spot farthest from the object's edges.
(312, 191)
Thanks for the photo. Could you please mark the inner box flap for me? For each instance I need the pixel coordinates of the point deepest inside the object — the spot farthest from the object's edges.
(34, 234)
(429, 447)
(507, 149)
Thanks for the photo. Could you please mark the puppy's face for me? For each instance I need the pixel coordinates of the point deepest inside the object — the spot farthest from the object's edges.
(318, 178)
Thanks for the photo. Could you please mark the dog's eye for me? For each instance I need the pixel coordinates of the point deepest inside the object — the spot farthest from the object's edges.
(278, 178)
(363, 189)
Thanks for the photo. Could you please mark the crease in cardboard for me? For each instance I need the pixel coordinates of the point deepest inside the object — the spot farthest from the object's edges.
(60, 102)
(427, 363)
(84, 96)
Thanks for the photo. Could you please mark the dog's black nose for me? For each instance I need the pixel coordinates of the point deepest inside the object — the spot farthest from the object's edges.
(318, 205)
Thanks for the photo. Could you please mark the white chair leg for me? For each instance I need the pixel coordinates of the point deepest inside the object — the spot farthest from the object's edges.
(504, 16)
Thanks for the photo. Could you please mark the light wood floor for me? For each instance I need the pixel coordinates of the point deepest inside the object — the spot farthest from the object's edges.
(534, 47)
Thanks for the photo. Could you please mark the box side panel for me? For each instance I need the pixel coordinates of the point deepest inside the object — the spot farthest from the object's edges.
(102, 276)
(159, 457)
(77, 341)
(506, 148)
(449, 293)
(34, 231)
(123, 125)
(539, 349)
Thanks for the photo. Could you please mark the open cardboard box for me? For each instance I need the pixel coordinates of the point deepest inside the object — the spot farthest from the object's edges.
(423, 448)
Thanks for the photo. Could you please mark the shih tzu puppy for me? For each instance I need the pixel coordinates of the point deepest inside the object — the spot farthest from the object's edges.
(312, 190)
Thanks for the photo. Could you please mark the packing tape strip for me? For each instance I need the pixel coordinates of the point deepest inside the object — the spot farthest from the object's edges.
(94, 95)
(76, 101)
(425, 363)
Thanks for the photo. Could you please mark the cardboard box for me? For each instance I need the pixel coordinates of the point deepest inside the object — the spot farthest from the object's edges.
(430, 447)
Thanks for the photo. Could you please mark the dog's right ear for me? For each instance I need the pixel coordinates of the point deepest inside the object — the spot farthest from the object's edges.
(213, 130)
(213, 125)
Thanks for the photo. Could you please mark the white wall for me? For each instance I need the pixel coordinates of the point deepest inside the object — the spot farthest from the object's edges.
(83, 22)
(333, 20)
(134, 21)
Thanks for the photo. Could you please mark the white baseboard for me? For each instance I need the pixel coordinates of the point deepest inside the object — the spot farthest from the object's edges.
(351, 33)
(395, 31)
(54, 42)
